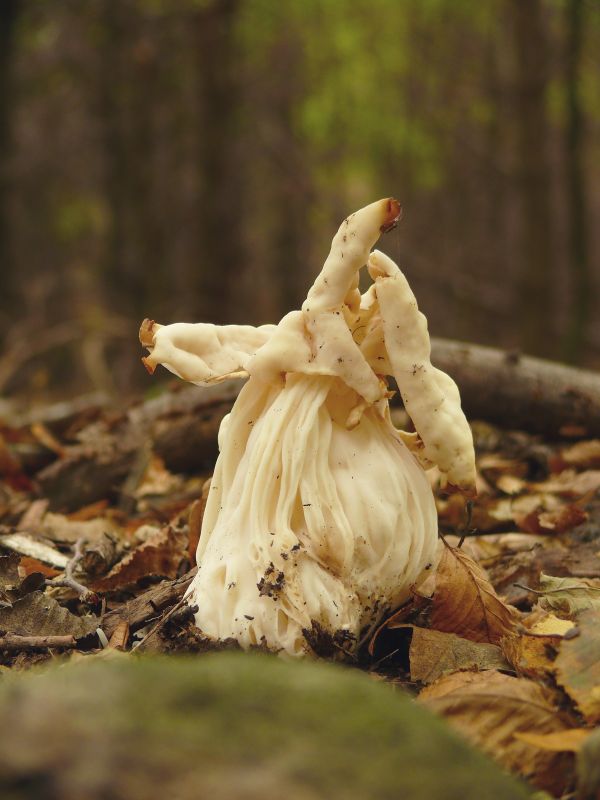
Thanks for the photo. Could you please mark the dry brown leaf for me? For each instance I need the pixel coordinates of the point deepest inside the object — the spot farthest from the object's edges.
(31, 546)
(490, 708)
(578, 666)
(15, 581)
(559, 742)
(534, 651)
(494, 466)
(90, 511)
(9, 578)
(509, 484)
(38, 614)
(47, 438)
(569, 595)
(433, 654)
(508, 509)
(556, 520)
(532, 656)
(32, 518)
(583, 454)
(157, 480)
(570, 483)
(466, 603)
(551, 625)
(11, 470)
(31, 566)
(558, 558)
(61, 528)
(588, 768)
(160, 555)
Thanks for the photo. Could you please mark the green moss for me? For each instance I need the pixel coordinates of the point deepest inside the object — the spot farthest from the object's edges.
(233, 726)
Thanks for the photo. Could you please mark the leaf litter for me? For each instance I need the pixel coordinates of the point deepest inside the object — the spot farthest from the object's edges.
(100, 515)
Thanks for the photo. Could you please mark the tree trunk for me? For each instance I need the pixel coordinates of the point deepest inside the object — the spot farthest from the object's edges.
(292, 188)
(8, 16)
(111, 76)
(576, 194)
(219, 163)
(536, 279)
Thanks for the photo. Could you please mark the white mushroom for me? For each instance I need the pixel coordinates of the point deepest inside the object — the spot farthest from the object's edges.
(320, 518)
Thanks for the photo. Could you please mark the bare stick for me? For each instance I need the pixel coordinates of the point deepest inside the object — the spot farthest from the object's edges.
(517, 391)
(158, 625)
(68, 580)
(13, 642)
(149, 605)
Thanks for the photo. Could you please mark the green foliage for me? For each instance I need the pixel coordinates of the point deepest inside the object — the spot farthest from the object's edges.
(79, 216)
(366, 82)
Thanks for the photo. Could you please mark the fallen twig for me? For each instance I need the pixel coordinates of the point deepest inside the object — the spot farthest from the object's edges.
(158, 625)
(13, 642)
(147, 606)
(517, 391)
(68, 580)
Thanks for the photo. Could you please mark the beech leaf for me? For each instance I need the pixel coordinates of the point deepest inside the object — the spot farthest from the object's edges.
(38, 614)
(578, 665)
(570, 595)
(466, 603)
(558, 742)
(552, 625)
(160, 555)
(9, 578)
(490, 708)
(532, 656)
(583, 454)
(433, 654)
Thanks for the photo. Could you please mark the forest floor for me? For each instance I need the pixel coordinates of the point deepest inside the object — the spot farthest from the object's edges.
(100, 515)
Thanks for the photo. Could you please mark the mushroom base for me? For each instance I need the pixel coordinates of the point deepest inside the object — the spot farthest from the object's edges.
(310, 528)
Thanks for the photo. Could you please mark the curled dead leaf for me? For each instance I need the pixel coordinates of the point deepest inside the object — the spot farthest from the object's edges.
(490, 708)
(27, 545)
(588, 768)
(62, 528)
(551, 625)
(433, 654)
(557, 520)
(531, 656)
(33, 566)
(578, 666)
(559, 742)
(38, 614)
(570, 483)
(466, 603)
(583, 454)
(569, 595)
(161, 554)
(510, 484)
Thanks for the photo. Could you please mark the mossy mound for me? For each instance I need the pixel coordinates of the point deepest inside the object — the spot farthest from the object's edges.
(232, 726)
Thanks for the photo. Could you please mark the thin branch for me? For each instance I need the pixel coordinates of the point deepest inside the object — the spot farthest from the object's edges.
(162, 621)
(13, 642)
(68, 580)
(143, 608)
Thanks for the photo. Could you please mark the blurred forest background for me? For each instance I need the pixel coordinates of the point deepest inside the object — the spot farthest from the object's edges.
(191, 160)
